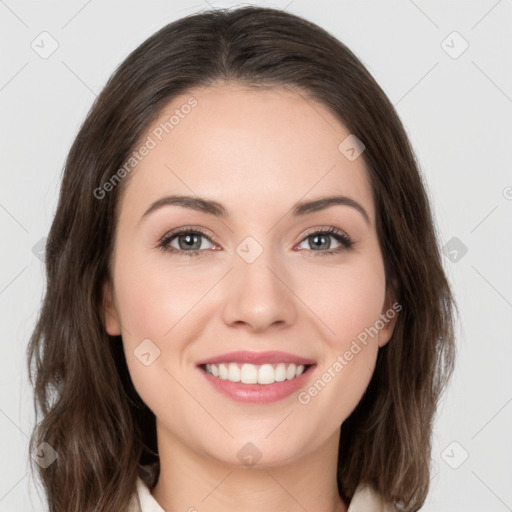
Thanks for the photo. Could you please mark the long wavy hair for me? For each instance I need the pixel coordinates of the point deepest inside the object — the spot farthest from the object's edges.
(86, 407)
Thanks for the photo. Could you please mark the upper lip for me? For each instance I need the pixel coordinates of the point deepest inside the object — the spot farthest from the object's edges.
(243, 356)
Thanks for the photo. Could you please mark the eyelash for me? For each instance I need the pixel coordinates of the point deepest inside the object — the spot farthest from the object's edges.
(346, 242)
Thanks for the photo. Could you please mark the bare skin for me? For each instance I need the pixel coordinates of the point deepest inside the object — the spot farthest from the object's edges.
(258, 152)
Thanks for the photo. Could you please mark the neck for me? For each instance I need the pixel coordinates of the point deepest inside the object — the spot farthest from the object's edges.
(194, 482)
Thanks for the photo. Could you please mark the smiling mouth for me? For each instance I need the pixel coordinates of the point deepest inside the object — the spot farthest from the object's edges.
(247, 373)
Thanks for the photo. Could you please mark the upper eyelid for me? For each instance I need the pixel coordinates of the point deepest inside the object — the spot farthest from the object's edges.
(199, 231)
(180, 231)
(335, 231)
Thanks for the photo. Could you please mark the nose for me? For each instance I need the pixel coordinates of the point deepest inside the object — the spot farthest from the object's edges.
(259, 295)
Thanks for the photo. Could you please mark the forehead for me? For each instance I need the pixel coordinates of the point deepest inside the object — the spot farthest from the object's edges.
(248, 147)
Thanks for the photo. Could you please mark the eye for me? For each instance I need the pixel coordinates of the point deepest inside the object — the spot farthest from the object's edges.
(187, 241)
(320, 240)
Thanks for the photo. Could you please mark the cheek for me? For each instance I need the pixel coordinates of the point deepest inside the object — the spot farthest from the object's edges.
(346, 300)
(157, 302)
(154, 296)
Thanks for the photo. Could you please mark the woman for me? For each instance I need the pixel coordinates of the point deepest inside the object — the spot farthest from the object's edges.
(295, 356)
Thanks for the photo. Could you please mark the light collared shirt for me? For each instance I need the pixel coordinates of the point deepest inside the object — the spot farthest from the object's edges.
(365, 499)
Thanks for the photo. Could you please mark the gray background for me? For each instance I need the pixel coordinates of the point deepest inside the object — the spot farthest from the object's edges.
(456, 106)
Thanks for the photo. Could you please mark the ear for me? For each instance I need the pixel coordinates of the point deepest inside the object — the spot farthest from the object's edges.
(388, 317)
(109, 311)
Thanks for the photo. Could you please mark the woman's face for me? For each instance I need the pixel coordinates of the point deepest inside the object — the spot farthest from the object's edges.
(261, 279)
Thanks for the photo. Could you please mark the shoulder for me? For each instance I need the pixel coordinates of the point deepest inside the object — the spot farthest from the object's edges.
(366, 499)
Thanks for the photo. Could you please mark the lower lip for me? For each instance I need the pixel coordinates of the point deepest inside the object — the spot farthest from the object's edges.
(258, 393)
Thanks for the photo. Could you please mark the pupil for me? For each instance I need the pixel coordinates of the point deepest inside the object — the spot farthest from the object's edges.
(319, 237)
(190, 240)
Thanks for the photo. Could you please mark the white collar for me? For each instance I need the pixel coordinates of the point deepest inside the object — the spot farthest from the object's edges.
(146, 500)
(365, 499)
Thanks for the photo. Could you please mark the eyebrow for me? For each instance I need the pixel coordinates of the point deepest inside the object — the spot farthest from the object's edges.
(215, 208)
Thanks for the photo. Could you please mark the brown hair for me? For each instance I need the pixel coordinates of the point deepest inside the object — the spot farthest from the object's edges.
(91, 413)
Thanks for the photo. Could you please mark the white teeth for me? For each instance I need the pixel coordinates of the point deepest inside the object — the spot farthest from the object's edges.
(252, 374)
(280, 372)
(223, 371)
(249, 374)
(266, 374)
(234, 372)
(290, 371)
